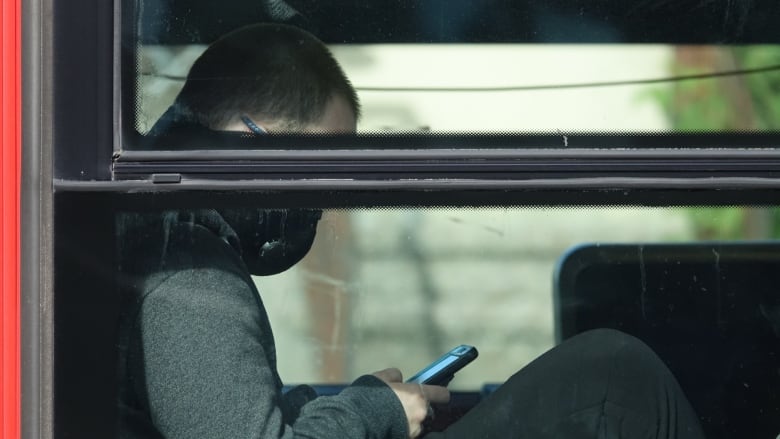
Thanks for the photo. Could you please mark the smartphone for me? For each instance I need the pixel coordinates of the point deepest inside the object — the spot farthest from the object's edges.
(441, 371)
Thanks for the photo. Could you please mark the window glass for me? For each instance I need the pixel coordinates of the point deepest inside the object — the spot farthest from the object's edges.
(523, 88)
(514, 68)
(409, 284)
(400, 286)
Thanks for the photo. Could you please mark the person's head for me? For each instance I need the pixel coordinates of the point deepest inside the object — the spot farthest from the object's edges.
(276, 76)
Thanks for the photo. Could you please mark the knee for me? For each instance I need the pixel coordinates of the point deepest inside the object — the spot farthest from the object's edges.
(604, 337)
(619, 346)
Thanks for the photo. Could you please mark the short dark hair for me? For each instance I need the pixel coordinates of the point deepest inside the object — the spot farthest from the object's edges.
(275, 71)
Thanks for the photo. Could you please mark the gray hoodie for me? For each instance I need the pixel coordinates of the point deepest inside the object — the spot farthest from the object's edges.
(197, 356)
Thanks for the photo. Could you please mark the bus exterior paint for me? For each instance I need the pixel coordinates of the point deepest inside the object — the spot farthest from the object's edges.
(10, 165)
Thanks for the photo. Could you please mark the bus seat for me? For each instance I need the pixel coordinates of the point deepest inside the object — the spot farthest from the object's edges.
(710, 310)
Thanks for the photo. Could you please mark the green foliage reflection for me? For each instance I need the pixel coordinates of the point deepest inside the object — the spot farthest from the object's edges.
(735, 103)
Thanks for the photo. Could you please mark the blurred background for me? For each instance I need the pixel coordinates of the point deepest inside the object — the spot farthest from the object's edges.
(399, 287)
(527, 88)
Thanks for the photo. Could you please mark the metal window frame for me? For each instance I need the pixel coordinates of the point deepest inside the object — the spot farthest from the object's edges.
(36, 220)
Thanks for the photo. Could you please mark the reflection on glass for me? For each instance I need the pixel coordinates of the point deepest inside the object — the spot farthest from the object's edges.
(511, 66)
(409, 284)
(521, 88)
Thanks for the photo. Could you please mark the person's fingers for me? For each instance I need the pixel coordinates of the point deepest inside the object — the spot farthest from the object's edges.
(435, 394)
(415, 405)
(418, 429)
(415, 398)
(389, 375)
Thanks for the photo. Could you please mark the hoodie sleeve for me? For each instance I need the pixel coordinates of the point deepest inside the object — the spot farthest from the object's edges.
(206, 371)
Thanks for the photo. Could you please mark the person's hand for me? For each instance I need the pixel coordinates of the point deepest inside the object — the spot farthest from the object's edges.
(415, 398)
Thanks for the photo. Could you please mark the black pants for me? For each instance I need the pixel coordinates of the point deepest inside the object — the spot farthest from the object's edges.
(600, 384)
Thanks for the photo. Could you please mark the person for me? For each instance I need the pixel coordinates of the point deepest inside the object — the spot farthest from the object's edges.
(197, 352)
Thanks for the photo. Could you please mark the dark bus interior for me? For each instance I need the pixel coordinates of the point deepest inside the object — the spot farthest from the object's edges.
(708, 309)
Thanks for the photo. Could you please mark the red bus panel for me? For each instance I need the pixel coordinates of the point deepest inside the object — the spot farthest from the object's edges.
(10, 161)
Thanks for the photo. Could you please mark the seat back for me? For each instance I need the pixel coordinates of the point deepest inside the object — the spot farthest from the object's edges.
(711, 311)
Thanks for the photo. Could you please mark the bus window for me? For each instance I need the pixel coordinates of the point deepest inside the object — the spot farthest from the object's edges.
(550, 72)
(407, 284)
(521, 176)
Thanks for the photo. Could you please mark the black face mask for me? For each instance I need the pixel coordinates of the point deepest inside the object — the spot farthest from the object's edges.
(272, 240)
